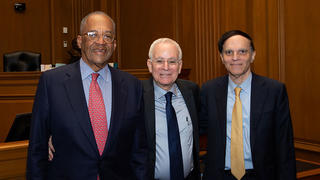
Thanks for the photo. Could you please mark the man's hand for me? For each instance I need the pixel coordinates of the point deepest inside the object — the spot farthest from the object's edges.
(50, 149)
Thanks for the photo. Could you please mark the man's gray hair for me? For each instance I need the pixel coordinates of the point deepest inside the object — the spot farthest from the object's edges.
(84, 20)
(165, 40)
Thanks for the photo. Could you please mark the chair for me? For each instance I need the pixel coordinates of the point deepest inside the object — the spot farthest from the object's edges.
(20, 128)
(21, 61)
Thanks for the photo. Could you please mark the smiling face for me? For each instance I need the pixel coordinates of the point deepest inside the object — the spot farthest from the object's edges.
(165, 65)
(237, 56)
(96, 53)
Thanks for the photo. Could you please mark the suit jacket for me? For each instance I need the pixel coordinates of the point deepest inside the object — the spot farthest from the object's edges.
(60, 110)
(190, 93)
(271, 136)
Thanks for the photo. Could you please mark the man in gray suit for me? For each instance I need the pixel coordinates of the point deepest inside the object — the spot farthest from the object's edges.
(165, 63)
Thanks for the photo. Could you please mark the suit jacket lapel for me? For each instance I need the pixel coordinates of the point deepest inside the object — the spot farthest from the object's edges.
(190, 102)
(258, 97)
(75, 93)
(149, 103)
(221, 102)
(119, 98)
(193, 111)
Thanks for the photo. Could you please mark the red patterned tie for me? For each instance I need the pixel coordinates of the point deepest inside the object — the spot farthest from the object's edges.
(97, 113)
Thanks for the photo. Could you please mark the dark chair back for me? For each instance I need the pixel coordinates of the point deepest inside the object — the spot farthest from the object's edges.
(20, 128)
(21, 61)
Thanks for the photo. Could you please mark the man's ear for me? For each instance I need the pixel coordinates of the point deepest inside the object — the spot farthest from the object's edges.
(79, 41)
(221, 57)
(180, 66)
(253, 56)
(114, 44)
(149, 64)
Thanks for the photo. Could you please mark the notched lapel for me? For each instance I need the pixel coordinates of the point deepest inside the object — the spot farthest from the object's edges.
(221, 94)
(149, 110)
(258, 98)
(119, 98)
(190, 102)
(221, 102)
(74, 88)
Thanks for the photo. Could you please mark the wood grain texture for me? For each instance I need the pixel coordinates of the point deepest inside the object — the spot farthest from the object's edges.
(13, 160)
(28, 30)
(301, 65)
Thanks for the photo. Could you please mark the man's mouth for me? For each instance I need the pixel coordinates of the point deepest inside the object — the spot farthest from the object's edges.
(165, 75)
(99, 51)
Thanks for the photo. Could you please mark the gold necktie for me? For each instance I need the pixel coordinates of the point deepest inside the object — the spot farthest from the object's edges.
(237, 159)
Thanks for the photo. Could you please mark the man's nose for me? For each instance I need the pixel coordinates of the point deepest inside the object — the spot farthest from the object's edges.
(235, 56)
(100, 39)
(165, 65)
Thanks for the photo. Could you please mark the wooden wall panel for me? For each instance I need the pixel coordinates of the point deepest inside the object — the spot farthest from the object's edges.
(285, 34)
(9, 109)
(18, 90)
(39, 28)
(13, 160)
(68, 13)
(286, 40)
(207, 26)
(302, 27)
(141, 22)
(62, 16)
(185, 34)
(16, 96)
(28, 30)
(235, 15)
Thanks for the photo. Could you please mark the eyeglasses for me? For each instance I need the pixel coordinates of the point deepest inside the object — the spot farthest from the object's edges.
(240, 52)
(170, 61)
(107, 37)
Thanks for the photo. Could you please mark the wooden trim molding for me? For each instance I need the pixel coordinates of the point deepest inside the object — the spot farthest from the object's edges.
(305, 145)
(14, 76)
(13, 159)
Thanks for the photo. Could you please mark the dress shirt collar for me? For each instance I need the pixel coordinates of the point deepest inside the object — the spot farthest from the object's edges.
(86, 71)
(245, 86)
(159, 92)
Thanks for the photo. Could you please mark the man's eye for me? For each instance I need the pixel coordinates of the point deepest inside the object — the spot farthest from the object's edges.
(92, 35)
(107, 36)
(243, 51)
(228, 52)
(159, 61)
(172, 62)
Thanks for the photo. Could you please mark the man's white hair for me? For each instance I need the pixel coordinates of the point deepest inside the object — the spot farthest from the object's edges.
(165, 40)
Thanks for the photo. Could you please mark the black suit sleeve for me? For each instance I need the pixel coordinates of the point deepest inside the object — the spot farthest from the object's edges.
(140, 159)
(203, 111)
(37, 161)
(286, 167)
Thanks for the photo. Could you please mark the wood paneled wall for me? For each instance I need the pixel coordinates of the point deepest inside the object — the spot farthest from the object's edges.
(28, 30)
(40, 27)
(16, 96)
(285, 34)
(301, 69)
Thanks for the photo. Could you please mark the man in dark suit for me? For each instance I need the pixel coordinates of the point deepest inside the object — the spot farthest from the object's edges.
(265, 138)
(93, 112)
(165, 64)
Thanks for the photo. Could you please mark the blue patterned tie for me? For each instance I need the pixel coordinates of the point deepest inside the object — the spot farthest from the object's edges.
(176, 164)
